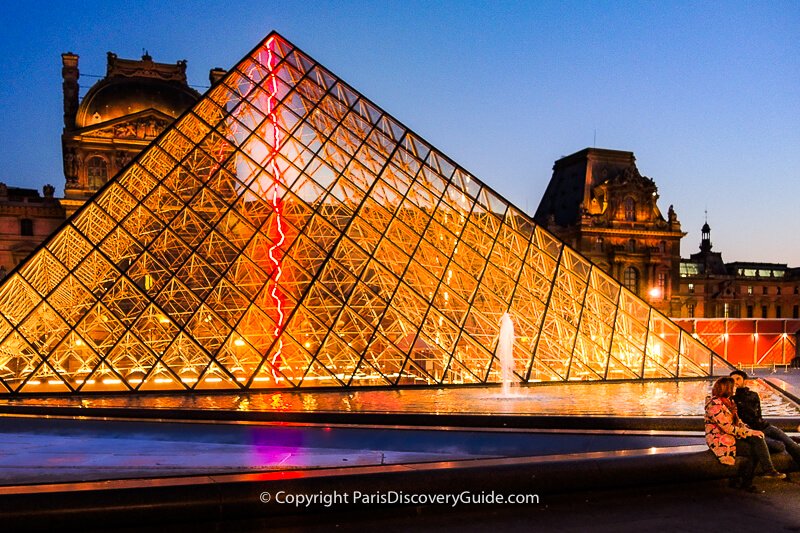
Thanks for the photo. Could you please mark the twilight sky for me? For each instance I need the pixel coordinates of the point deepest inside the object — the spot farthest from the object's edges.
(706, 94)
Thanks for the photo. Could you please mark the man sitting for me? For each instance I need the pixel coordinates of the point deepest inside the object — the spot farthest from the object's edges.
(748, 405)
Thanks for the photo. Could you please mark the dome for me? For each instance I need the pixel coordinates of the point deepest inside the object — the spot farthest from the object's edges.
(120, 96)
(706, 228)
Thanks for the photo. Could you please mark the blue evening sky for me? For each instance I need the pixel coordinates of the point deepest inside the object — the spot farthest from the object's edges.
(706, 94)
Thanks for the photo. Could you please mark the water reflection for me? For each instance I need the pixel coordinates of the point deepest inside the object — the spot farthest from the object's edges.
(684, 398)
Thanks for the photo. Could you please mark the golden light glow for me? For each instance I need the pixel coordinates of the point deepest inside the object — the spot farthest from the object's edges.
(395, 263)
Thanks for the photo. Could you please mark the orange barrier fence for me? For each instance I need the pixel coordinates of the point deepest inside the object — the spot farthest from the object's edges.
(747, 341)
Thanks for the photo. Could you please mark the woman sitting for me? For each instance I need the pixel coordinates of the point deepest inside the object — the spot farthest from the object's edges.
(728, 436)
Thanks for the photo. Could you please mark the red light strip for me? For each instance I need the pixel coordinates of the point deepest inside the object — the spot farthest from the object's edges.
(276, 138)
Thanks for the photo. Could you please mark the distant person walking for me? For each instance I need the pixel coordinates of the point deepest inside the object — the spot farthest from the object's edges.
(748, 406)
(728, 436)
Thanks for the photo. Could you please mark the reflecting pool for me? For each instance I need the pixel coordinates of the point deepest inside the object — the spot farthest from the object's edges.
(653, 398)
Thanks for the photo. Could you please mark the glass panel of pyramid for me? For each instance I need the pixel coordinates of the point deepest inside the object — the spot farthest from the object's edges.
(287, 232)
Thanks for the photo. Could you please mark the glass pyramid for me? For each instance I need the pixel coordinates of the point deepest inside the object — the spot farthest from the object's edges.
(287, 232)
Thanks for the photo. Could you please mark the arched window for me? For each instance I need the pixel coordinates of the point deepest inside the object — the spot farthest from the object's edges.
(630, 278)
(630, 209)
(97, 172)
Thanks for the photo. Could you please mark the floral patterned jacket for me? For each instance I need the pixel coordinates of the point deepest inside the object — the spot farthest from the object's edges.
(722, 430)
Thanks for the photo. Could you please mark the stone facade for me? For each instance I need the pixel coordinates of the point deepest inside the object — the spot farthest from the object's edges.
(26, 219)
(599, 203)
(119, 115)
(711, 288)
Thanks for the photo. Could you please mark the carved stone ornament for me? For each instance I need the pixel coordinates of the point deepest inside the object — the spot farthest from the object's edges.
(632, 176)
(146, 68)
(143, 128)
(122, 158)
(71, 164)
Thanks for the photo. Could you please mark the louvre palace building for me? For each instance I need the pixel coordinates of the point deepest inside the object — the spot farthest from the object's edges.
(599, 203)
(282, 230)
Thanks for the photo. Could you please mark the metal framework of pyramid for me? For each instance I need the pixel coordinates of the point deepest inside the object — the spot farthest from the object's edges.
(286, 232)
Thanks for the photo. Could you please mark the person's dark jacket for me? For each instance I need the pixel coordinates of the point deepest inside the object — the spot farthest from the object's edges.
(748, 405)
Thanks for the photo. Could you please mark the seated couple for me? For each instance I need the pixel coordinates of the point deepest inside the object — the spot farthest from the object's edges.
(734, 426)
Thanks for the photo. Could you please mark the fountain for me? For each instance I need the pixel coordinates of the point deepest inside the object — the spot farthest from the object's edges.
(505, 353)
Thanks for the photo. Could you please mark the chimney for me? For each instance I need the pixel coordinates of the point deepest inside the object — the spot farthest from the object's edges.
(216, 74)
(70, 75)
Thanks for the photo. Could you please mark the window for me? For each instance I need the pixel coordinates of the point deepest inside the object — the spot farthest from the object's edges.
(796, 311)
(26, 227)
(764, 290)
(749, 289)
(778, 311)
(632, 245)
(689, 269)
(690, 310)
(598, 244)
(630, 209)
(662, 247)
(630, 279)
(726, 311)
(749, 311)
(97, 172)
(661, 282)
(763, 311)
(797, 290)
(778, 289)
(691, 288)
